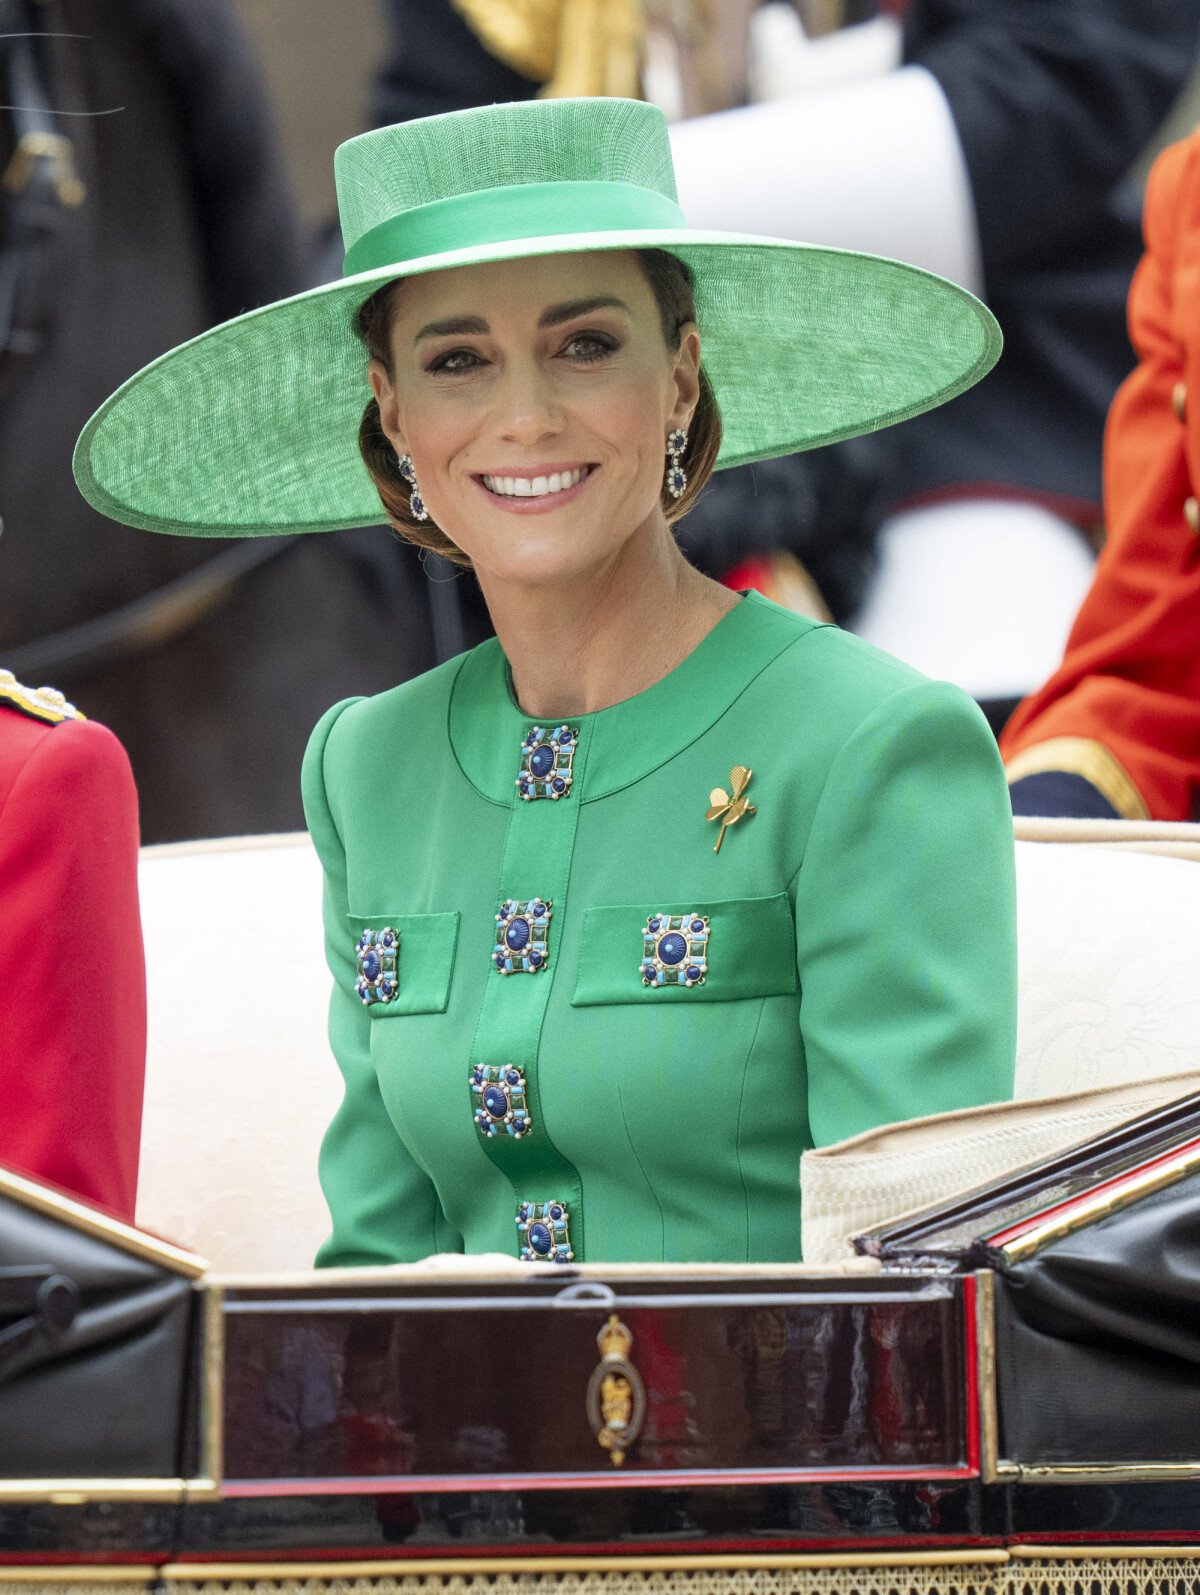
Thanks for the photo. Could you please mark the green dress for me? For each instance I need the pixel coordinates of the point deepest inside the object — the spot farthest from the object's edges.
(570, 1028)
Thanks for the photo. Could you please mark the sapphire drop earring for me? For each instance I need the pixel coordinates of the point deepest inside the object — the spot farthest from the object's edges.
(415, 502)
(676, 479)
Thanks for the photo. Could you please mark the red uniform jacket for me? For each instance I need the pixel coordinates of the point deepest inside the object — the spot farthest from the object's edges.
(1123, 709)
(72, 974)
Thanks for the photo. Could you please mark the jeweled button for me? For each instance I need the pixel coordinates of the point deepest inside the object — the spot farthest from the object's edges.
(543, 1233)
(498, 1101)
(1191, 513)
(674, 950)
(376, 955)
(522, 936)
(546, 761)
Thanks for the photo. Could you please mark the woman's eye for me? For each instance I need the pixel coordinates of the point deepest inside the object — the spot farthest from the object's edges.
(454, 360)
(589, 346)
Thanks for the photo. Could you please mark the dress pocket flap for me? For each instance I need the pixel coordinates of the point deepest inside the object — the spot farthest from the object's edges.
(423, 965)
(746, 949)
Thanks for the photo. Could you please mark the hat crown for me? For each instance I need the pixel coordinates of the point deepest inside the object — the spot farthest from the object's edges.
(389, 171)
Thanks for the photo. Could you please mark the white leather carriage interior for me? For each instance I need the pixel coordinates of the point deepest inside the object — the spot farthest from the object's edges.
(240, 1082)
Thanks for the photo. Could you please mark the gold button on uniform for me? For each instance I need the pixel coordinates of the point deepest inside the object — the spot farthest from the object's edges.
(1191, 513)
(1179, 400)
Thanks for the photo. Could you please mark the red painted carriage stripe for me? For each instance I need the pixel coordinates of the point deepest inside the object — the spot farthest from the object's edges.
(971, 1382)
(1181, 1537)
(78, 1558)
(1115, 1185)
(559, 1550)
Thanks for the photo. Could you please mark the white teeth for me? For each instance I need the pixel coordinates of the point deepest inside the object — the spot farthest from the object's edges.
(538, 486)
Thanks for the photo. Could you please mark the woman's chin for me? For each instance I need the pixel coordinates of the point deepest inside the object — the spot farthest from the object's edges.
(543, 566)
(536, 553)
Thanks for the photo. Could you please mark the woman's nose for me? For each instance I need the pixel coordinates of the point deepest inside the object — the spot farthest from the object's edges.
(528, 407)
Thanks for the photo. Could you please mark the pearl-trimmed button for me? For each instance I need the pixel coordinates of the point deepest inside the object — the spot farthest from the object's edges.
(1179, 395)
(1191, 513)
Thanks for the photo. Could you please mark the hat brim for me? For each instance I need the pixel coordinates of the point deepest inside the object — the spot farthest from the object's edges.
(252, 427)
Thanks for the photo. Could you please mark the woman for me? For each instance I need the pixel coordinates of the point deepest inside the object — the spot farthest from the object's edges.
(631, 905)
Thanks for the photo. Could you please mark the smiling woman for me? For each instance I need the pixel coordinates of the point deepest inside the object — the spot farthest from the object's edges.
(589, 1004)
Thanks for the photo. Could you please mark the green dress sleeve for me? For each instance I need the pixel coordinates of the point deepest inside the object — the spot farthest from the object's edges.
(906, 920)
(385, 1208)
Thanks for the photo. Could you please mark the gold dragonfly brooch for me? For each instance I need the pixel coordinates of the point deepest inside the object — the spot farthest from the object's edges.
(730, 809)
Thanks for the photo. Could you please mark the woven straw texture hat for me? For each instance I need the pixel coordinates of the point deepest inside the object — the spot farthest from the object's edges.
(252, 427)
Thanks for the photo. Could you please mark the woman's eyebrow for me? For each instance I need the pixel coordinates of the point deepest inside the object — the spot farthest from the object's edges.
(552, 316)
(555, 315)
(453, 327)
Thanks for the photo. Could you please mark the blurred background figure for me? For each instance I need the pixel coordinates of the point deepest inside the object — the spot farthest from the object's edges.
(73, 999)
(1116, 729)
(144, 197)
(993, 141)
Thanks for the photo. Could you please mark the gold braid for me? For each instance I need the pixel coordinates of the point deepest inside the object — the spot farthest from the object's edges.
(572, 47)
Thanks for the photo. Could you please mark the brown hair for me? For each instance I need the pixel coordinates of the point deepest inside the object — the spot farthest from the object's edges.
(672, 286)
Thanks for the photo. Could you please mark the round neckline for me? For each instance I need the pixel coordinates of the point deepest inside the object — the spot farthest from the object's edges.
(589, 718)
(629, 739)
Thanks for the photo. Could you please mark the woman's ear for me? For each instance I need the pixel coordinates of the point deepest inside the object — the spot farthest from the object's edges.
(384, 390)
(687, 376)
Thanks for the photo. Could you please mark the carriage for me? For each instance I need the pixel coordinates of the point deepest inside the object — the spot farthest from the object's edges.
(982, 1378)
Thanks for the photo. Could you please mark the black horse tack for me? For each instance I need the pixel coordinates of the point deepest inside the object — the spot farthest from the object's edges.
(155, 221)
(39, 185)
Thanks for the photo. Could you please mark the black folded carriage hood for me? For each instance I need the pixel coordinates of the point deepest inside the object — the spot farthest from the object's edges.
(1090, 1307)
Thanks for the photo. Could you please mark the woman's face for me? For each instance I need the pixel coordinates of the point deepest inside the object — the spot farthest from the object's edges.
(535, 397)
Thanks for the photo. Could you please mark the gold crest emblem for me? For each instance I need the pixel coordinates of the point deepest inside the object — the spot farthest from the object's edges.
(616, 1397)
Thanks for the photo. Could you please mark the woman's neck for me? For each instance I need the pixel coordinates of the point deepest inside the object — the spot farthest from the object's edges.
(580, 646)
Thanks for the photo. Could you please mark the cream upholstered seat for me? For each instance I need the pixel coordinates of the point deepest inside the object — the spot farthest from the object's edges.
(240, 1082)
(1109, 946)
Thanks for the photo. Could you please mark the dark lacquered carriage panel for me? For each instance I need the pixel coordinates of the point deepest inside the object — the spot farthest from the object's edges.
(1020, 1372)
(829, 1377)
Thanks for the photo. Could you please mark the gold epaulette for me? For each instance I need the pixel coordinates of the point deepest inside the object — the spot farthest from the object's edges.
(42, 703)
(574, 48)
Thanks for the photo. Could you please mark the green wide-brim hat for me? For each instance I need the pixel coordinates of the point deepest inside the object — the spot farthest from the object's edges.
(253, 426)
